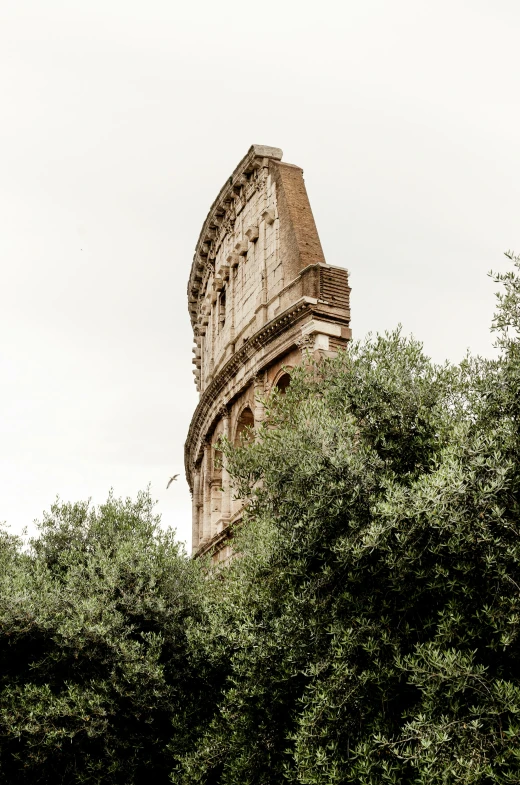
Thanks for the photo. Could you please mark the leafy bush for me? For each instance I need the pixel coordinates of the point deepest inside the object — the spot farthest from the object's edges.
(95, 678)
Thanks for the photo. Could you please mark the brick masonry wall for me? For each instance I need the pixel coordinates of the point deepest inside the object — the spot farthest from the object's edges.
(300, 244)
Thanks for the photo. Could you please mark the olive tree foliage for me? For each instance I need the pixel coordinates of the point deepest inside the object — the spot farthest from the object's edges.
(96, 683)
(368, 629)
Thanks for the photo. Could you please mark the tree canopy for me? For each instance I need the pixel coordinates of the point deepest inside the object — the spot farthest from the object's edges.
(367, 630)
(94, 673)
(370, 626)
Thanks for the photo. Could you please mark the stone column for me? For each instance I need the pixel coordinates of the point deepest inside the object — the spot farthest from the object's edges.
(195, 533)
(206, 507)
(231, 295)
(212, 347)
(264, 272)
(259, 392)
(202, 357)
(226, 490)
(305, 345)
(216, 502)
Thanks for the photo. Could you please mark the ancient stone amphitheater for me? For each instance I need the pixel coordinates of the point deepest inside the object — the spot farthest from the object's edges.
(260, 294)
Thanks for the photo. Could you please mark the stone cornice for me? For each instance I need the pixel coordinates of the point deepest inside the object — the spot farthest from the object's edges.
(222, 214)
(211, 394)
(216, 543)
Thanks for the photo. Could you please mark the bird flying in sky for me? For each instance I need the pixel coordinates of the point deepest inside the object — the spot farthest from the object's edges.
(171, 480)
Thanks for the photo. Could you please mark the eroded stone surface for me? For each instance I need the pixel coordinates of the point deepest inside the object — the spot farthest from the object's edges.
(259, 294)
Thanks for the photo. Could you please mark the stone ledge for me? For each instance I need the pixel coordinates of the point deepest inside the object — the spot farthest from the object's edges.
(215, 544)
(308, 280)
(280, 325)
(266, 334)
(318, 326)
(219, 540)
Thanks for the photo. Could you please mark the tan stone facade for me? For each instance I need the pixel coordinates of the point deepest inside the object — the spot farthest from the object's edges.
(259, 293)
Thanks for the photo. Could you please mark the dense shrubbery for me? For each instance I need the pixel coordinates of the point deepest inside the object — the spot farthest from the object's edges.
(368, 632)
(95, 681)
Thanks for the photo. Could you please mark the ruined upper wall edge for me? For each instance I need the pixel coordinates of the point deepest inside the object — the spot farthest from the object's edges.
(253, 159)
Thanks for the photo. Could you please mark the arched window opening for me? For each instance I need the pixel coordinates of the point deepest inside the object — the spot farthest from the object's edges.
(283, 383)
(245, 425)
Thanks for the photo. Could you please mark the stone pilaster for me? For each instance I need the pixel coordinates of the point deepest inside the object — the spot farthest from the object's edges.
(206, 510)
(226, 490)
(259, 393)
(196, 508)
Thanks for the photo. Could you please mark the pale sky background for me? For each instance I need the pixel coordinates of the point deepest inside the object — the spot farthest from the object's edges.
(119, 123)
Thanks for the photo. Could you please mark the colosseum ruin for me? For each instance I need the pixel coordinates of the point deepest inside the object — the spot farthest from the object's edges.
(259, 295)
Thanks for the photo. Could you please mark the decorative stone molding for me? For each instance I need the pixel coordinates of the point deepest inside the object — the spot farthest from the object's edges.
(233, 260)
(305, 343)
(223, 271)
(241, 248)
(326, 328)
(252, 234)
(268, 216)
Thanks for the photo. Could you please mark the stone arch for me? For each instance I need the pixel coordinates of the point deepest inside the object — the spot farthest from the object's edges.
(219, 428)
(283, 381)
(213, 433)
(244, 426)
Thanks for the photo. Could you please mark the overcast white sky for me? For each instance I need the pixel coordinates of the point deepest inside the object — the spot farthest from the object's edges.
(120, 121)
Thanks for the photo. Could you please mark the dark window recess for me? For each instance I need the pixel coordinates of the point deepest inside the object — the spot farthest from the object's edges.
(244, 430)
(222, 308)
(283, 383)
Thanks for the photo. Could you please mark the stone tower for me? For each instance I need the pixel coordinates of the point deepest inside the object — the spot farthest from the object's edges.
(259, 293)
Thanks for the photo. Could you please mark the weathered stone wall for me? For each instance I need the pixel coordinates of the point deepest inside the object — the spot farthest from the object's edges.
(259, 293)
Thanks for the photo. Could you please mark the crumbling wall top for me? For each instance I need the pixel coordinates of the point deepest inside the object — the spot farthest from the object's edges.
(221, 216)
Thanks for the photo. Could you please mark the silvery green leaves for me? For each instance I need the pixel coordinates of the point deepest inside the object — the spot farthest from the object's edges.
(93, 648)
(373, 615)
